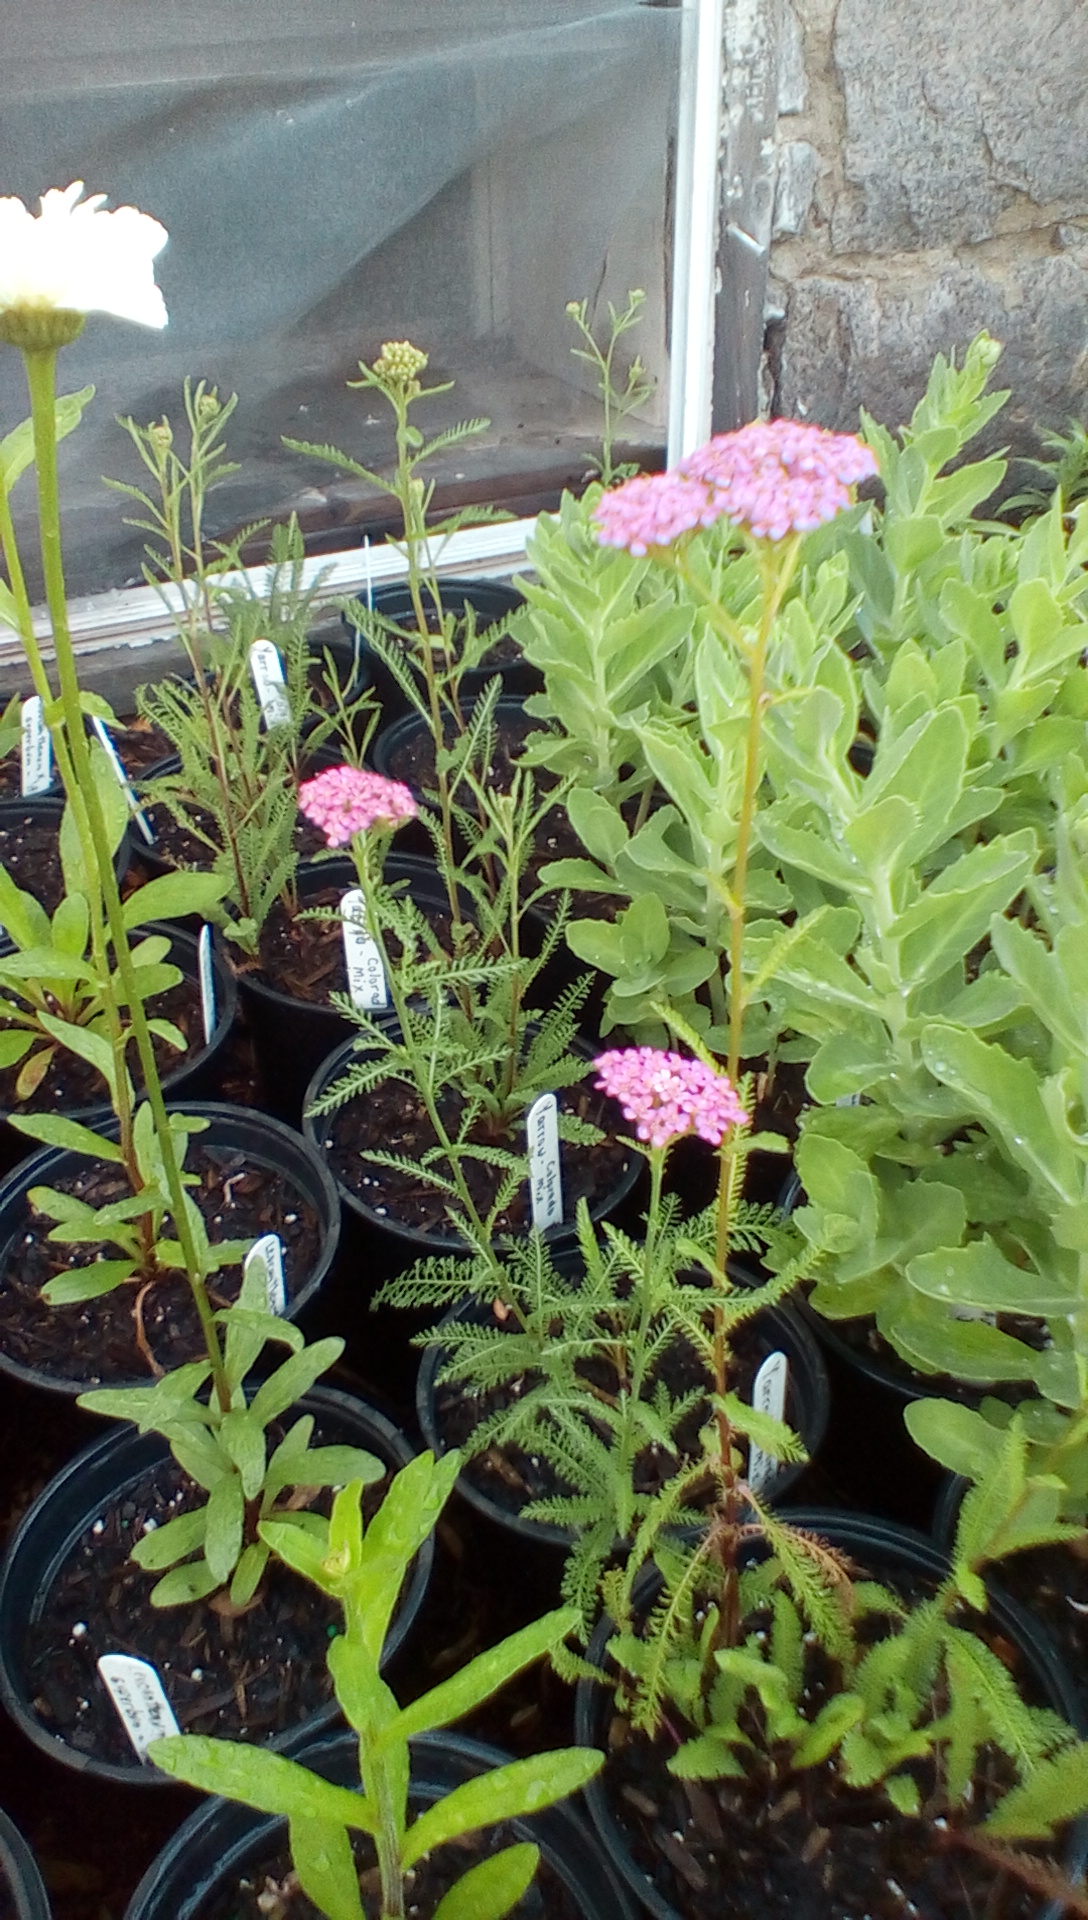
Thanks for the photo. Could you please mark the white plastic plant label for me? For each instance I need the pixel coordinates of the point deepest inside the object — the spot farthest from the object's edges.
(545, 1174)
(37, 748)
(269, 1251)
(114, 759)
(768, 1396)
(137, 1693)
(267, 669)
(366, 975)
(207, 983)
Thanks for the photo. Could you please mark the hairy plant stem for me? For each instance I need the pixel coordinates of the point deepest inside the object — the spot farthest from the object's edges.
(189, 632)
(387, 1838)
(637, 1349)
(123, 1105)
(777, 563)
(87, 810)
(421, 1069)
(409, 491)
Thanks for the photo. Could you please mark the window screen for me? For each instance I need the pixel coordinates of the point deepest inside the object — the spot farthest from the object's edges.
(333, 173)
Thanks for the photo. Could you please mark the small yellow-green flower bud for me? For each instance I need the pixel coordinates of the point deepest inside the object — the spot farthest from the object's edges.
(400, 361)
(207, 406)
(161, 435)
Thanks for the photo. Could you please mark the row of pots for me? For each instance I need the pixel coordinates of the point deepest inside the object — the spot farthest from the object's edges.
(223, 1846)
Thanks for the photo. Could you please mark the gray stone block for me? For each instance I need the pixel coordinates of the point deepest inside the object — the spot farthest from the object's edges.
(869, 340)
(798, 166)
(954, 114)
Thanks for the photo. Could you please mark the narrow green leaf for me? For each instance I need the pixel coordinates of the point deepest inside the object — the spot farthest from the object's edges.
(482, 1677)
(525, 1786)
(259, 1779)
(492, 1889)
(87, 1283)
(322, 1857)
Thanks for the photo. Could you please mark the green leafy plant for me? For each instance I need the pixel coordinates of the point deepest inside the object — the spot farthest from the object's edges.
(226, 1451)
(363, 1569)
(38, 329)
(831, 1685)
(616, 401)
(50, 995)
(465, 1041)
(235, 794)
(1021, 1260)
(613, 640)
(606, 1366)
(1065, 473)
(429, 655)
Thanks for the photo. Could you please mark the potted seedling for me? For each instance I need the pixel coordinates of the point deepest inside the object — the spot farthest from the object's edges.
(409, 1846)
(140, 1583)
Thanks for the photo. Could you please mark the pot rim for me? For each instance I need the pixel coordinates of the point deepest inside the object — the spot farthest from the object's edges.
(868, 1533)
(557, 1830)
(86, 1484)
(320, 1191)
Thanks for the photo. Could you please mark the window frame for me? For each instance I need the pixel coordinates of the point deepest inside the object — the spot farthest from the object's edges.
(137, 617)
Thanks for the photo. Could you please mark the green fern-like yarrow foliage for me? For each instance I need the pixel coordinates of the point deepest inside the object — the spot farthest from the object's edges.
(829, 1685)
(465, 1036)
(601, 1365)
(235, 791)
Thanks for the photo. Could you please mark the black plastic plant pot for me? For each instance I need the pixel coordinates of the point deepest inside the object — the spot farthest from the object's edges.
(946, 1510)
(490, 600)
(870, 1458)
(779, 1329)
(292, 1036)
(222, 1843)
(194, 1077)
(97, 1483)
(377, 1247)
(19, 1876)
(875, 1546)
(42, 817)
(254, 1140)
(402, 747)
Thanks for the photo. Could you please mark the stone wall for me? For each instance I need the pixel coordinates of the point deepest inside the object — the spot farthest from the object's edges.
(931, 179)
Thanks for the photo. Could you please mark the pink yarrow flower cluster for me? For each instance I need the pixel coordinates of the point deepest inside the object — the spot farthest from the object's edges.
(668, 1095)
(774, 477)
(347, 800)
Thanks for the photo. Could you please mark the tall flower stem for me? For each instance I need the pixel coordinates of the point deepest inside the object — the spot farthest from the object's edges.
(41, 379)
(639, 1348)
(777, 564)
(420, 1066)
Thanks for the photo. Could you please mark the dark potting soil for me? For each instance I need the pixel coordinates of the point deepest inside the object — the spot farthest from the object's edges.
(239, 1200)
(247, 1677)
(30, 852)
(809, 1848)
(271, 1890)
(413, 760)
(305, 958)
(512, 1478)
(183, 848)
(392, 1119)
(1051, 1583)
(71, 1083)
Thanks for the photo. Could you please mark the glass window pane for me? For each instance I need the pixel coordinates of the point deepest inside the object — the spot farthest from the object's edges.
(334, 173)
